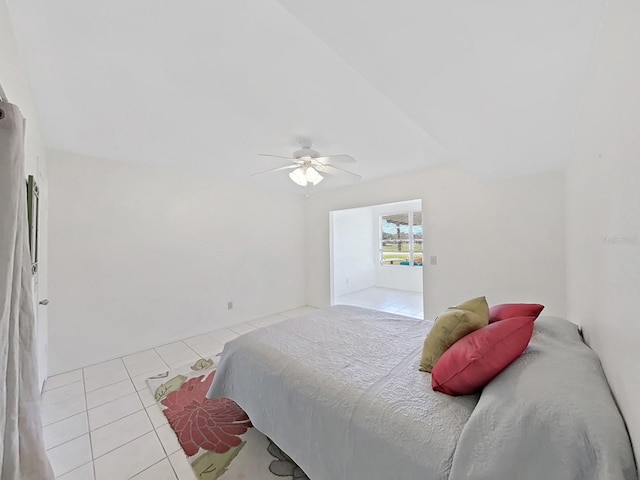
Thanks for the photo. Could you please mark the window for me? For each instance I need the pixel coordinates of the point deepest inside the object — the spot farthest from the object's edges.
(401, 239)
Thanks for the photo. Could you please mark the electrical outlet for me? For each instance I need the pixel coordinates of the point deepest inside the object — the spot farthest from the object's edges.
(229, 305)
(347, 281)
(433, 260)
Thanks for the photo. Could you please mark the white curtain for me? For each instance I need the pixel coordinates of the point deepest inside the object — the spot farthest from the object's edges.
(22, 455)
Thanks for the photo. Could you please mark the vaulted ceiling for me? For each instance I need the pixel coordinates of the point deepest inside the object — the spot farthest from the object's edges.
(401, 86)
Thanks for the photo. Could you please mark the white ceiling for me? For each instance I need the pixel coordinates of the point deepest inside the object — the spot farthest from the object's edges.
(399, 85)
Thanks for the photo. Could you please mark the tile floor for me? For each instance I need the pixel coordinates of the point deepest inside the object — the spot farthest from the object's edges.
(389, 300)
(102, 423)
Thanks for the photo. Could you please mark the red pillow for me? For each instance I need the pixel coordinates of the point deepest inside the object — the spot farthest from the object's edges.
(474, 360)
(510, 310)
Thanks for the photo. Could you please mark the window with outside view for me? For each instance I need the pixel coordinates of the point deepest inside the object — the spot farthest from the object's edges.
(401, 239)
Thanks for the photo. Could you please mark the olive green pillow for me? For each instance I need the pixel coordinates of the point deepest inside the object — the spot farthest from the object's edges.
(450, 326)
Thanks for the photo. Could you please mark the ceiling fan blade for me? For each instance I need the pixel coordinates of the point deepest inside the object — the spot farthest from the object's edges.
(342, 158)
(332, 170)
(275, 156)
(287, 167)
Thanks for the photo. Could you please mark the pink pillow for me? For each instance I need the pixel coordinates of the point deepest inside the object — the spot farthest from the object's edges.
(510, 310)
(475, 359)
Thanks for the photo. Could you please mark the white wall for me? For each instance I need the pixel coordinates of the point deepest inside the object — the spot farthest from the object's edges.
(394, 276)
(603, 209)
(503, 239)
(353, 250)
(14, 82)
(399, 277)
(141, 257)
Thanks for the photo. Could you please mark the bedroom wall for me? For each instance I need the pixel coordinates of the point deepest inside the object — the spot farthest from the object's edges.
(353, 255)
(13, 80)
(603, 209)
(141, 257)
(503, 239)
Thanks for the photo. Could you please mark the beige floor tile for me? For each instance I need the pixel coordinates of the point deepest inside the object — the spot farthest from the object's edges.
(143, 362)
(130, 459)
(60, 411)
(117, 433)
(207, 347)
(223, 335)
(181, 466)
(197, 339)
(297, 312)
(157, 417)
(103, 368)
(242, 328)
(70, 455)
(61, 394)
(168, 439)
(140, 381)
(160, 471)
(107, 394)
(146, 397)
(176, 353)
(60, 432)
(62, 379)
(114, 410)
(269, 320)
(105, 379)
(85, 472)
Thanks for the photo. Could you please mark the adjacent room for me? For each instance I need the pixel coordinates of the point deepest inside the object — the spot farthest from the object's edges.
(319, 240)
(373, 250)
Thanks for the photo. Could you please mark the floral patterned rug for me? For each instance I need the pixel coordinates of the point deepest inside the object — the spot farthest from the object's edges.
(216, 434)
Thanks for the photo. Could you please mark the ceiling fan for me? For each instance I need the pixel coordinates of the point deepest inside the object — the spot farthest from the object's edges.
(307, 165)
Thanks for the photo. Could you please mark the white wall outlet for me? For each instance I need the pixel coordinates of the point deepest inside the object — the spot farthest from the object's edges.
(433, 260)
(347, 280)
(229, 305)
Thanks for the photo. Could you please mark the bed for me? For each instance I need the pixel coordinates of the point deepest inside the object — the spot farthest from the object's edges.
(339, 390)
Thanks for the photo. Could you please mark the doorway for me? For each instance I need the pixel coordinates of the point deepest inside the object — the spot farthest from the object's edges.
(376, 257)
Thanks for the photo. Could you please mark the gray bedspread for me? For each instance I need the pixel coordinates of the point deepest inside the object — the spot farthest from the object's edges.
(549, 415)
(339, 390)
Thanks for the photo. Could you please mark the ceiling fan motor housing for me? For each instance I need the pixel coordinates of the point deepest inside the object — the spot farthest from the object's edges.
(305, 153)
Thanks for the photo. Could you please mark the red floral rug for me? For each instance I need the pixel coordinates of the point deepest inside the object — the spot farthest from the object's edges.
(216, 434)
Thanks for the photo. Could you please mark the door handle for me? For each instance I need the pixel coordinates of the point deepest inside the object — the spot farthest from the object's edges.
(44, 302)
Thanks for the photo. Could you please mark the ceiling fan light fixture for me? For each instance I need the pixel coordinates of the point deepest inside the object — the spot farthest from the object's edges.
(305, 175)
(313, 176)
(298, 176)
